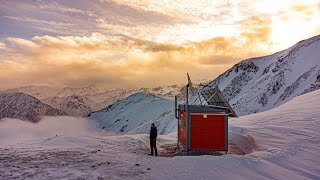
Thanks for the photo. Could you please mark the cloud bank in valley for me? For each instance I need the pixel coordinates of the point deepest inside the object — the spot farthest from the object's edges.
(15, 131)
(121, 44)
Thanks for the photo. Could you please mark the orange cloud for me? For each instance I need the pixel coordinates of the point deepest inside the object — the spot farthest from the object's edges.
(113, 61)
(22, 43)
(2, 45)
(305, 9)
(120, 61)
(256, 29)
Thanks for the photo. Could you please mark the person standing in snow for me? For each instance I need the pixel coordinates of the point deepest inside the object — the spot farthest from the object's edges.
(153, 139)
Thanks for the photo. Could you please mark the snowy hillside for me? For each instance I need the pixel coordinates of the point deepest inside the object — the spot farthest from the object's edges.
(25, 107)
(166, 123)
(262, 83)
(132, 112)
(282, 143)
(287, 136)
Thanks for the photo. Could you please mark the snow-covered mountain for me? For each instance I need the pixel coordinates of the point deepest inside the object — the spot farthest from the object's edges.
(74, 105)
(282, 143)
(81, 101)
(39, 92)
(262, 83)
(25, 107)
(83, 91)
(164, 91)
(128, 114)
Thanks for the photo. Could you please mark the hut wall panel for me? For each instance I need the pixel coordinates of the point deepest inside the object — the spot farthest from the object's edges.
(182, 129)
(207, 133)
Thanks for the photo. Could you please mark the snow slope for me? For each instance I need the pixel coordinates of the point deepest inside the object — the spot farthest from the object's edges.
(287, 136)
(262, 83)
(25, 107)
(282, 143)
(132, 112)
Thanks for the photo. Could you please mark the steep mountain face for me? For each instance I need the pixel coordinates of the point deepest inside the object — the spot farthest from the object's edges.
(260, 84)
(126, 115)
(164, 91)
(84, 91)
(74, 105)
(25, 107)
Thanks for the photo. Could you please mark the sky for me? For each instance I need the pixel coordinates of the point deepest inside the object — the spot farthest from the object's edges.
(142, 43)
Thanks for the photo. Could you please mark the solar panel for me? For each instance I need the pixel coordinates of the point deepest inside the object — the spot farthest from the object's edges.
(214, 97)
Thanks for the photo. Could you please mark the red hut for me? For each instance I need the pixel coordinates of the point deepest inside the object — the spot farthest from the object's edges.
(205, 127)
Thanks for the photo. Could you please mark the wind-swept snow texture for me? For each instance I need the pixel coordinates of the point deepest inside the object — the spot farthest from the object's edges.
(126, 115)
(287, 136)
(260, 84)
(282, 143)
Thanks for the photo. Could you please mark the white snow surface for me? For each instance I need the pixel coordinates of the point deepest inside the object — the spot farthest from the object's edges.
(133, 113)
(282, 143)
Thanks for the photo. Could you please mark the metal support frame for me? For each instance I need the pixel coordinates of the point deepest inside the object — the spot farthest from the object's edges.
(177, 117)
(199, 95)
(211, 96)
(187, 120)
(226, 133)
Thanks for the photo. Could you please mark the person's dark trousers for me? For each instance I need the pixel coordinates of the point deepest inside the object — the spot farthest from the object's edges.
(153, 145)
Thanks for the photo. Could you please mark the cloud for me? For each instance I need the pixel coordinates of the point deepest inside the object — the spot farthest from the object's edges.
(15, 131)
(119, 61)
(122, 43)
(307, 10)
(2, 45)
(22, 43)
(256, 29)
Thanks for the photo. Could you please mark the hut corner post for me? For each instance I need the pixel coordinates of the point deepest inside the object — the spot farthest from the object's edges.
(188, 120)
(177, 117)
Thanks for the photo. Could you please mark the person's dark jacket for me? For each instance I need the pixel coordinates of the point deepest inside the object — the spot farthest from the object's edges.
(153, 133)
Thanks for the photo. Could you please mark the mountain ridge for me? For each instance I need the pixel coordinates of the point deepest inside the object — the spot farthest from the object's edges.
(25, 107)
